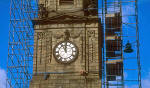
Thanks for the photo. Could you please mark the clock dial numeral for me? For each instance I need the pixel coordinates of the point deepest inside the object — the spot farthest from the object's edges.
(57, 49)
(72, 45)
(71, 57)
(74, 53)
(74, 49)
(63, 59)
(59, 58)
(57, 54)
(59, 46)
(68, 44)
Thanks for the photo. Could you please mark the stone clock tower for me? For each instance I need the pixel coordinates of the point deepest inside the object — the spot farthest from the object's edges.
(67, 45)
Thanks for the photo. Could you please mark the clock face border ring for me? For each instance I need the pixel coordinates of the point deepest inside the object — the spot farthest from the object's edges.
(65, 62)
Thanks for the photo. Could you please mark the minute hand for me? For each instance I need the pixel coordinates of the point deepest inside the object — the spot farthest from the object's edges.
(66, 47)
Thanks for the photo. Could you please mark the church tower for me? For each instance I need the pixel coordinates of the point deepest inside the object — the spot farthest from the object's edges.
(67, 45)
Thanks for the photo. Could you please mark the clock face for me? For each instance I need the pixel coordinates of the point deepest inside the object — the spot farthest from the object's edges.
(65, 52)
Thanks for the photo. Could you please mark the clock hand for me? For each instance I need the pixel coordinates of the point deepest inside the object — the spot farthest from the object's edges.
(65, 47)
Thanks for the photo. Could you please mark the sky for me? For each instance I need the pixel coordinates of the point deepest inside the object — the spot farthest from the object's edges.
(144, 27)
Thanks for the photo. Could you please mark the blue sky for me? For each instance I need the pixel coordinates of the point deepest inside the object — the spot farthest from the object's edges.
(144, 26)
(4, 27)
(144, 20)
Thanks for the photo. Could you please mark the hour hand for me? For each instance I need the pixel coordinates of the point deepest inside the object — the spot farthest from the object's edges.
(65, 48)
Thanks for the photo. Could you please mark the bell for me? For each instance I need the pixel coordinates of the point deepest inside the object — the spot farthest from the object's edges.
(128, 48)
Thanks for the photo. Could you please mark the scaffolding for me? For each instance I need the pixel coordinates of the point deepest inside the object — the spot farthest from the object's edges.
(20, 52)
(119, 19)
(121, 63)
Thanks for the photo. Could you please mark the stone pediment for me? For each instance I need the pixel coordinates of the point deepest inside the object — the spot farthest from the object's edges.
(62, 19)
(66, 17)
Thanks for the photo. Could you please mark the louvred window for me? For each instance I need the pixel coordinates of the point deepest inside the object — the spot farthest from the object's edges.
(62, 2)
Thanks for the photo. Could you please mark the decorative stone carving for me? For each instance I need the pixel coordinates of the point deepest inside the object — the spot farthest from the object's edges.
(91, 33)
(41, 35)
(58, 35)
(75, 34)
(43, 13)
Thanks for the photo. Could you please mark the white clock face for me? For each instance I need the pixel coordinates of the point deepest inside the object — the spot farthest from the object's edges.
(65, 52)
